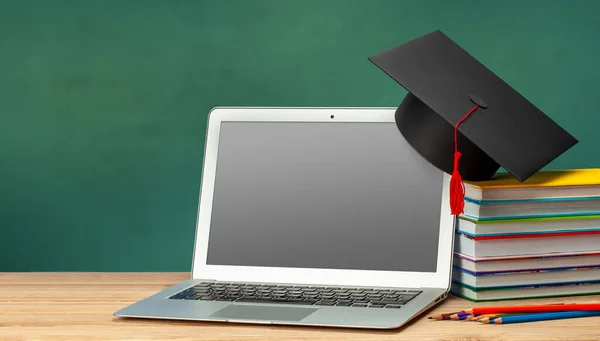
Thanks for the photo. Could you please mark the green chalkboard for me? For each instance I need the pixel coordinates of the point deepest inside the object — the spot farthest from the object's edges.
(103, 103)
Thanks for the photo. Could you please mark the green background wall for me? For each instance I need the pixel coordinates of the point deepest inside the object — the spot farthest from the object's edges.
(103, 104)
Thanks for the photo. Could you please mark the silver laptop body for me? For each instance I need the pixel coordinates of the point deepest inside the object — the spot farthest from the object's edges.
(316, 217)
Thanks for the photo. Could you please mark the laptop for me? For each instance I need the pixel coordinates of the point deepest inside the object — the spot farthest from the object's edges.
(313, 217)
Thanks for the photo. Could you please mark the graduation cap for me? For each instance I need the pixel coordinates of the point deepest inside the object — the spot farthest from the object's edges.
(463, 118)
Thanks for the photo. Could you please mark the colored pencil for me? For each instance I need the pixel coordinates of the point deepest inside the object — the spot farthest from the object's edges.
(444, 316)
(545, 316)
(489, 319)
(535, 308)
(459, 316)
(490, 316)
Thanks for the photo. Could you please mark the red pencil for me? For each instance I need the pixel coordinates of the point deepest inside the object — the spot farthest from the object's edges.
(534, 308)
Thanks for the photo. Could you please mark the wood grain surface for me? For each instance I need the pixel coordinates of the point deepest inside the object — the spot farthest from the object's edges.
(80, 306)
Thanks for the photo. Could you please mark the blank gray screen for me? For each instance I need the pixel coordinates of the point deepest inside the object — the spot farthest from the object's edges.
(323, 195)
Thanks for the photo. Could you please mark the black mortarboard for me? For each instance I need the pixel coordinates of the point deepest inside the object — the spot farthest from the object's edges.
(444, 84)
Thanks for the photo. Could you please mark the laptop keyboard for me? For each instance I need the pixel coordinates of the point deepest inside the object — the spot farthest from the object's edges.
(300, 294)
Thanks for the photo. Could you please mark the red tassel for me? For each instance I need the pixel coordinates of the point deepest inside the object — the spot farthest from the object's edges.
(457, 187)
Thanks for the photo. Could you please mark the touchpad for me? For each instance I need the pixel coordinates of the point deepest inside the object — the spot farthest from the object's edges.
(261, 312)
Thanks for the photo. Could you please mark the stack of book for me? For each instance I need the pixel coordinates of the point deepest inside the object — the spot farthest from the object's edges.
(538, 238)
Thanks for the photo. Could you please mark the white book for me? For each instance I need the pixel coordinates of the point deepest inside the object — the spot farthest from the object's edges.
(522, 209)
(525, 246)
(527, 292)
(528, 278)
(531, 226)
(518, 263)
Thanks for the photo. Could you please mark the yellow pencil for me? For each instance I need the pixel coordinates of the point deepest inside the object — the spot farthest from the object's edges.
(479, 317)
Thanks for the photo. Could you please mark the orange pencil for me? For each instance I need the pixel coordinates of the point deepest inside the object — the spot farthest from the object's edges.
(479, 317)
(534, 308)
(488, 318)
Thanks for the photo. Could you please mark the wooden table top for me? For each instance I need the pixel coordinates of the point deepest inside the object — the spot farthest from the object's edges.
(80, 306)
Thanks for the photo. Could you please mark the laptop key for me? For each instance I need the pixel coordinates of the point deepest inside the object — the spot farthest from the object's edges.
(375, 296)
(408, 294)
(202, 293)
(185, 293)
(393, 306)
(384, 302)
(359, 305)
(376, 305)
(343, 304)
(280, 301)
(405, 298)
(345, 301)
(226, 299)
(355, 291)
(177, 296)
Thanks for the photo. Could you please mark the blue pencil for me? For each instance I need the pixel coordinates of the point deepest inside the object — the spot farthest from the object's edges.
(545, 316)
(459, 316)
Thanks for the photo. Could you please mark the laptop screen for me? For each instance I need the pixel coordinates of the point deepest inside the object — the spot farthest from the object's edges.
(323, 195)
